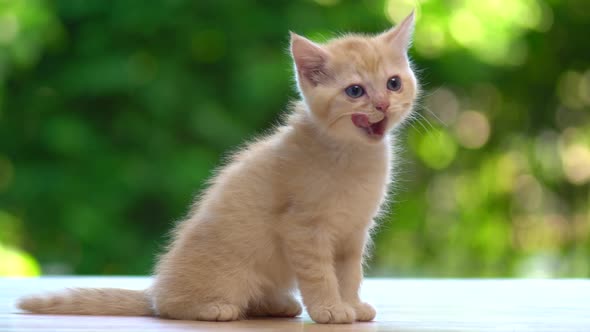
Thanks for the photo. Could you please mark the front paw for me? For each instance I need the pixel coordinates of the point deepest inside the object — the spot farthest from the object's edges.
(364, 312)
(277, 307)
(289, 307)
(340, 313)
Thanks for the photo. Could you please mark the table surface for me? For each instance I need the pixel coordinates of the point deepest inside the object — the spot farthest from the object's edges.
(402, 305)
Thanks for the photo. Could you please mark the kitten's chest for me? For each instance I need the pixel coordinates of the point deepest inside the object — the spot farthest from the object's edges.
(361, 188)
(353, 188)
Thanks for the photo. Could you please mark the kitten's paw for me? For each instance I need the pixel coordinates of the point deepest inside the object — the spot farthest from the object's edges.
(364, 312)
(286, 306)
(219, 312)
(341, 313)
(289, 307)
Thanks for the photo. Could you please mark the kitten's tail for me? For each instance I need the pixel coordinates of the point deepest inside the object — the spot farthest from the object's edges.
(90, 301)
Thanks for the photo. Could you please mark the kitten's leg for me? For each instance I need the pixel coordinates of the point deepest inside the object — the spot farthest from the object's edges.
(349, 269)
(178, 302)
(192, 286)
(310, 252)
(221, 312)
(276, 304)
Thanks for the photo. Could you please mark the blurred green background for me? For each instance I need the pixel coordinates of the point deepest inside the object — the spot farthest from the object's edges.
(114, 113)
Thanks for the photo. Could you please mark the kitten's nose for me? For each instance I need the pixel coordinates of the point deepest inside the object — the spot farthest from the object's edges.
(382, 106)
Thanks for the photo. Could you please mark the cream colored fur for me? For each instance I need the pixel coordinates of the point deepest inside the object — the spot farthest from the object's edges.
(294, 209)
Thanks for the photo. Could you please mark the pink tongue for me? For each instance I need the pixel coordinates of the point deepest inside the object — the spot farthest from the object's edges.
(360, 120)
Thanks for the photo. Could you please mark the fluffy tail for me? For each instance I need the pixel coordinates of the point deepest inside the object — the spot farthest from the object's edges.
(90, 301)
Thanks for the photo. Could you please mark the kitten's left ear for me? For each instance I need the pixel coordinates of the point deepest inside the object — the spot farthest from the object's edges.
(401, 35)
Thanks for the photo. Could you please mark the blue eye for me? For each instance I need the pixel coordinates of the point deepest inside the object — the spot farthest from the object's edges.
(394, 83)
(355, 91)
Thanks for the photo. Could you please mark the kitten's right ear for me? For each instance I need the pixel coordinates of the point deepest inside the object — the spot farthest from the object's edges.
(310, 59)
(401, 35)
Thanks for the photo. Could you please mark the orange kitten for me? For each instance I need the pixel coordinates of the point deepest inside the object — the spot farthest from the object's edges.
(294, 209)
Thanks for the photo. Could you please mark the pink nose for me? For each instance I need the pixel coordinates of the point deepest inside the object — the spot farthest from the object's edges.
(382, 106)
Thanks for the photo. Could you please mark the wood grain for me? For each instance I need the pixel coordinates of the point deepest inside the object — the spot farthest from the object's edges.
(402, 305)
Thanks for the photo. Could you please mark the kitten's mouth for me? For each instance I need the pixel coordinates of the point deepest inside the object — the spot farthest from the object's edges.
(372, 129)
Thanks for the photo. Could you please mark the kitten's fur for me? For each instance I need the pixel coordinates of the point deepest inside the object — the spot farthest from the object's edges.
(292, 209)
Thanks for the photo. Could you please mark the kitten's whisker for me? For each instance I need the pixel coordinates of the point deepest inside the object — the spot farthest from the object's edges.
(369, 114)
(338, 117)
(425, 119)
(411, 120)
(426, 94)
(411, 123)
(434, 115)
(420, 122)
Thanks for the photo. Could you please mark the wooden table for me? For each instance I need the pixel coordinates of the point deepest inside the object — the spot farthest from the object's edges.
(402, 305)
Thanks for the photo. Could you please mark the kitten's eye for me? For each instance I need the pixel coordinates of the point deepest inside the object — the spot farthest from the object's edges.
(355, 91)
(394, 83)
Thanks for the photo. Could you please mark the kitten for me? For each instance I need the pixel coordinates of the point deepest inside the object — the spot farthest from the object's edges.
(294, 209)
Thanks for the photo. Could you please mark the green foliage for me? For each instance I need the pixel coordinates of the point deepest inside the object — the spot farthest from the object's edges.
(114, 113)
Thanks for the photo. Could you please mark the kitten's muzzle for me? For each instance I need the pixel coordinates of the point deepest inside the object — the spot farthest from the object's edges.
(373, 124)
(382, 106)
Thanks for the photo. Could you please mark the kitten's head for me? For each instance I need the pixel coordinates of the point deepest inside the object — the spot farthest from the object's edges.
(356, 87)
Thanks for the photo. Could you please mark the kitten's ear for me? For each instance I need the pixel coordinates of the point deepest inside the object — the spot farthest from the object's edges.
(310, 59)
(401, 35)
